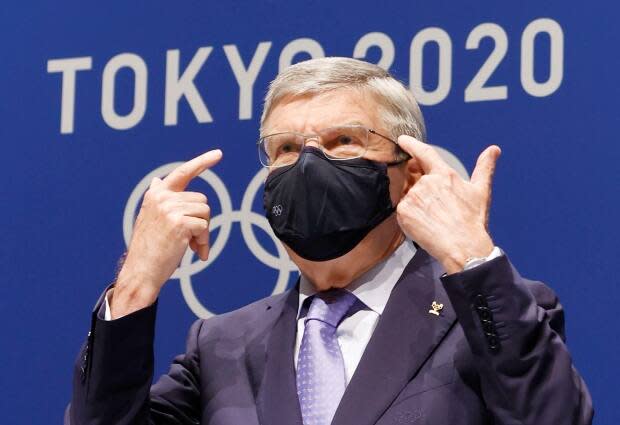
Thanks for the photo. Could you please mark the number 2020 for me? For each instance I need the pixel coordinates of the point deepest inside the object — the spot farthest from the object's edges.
(477, 90)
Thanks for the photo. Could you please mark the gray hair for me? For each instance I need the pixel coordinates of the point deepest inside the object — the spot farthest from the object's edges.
(398, 107)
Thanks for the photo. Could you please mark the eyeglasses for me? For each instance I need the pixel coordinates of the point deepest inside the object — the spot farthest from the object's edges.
(339, 143)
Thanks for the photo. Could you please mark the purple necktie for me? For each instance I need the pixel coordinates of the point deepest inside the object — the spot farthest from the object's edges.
(320, 368)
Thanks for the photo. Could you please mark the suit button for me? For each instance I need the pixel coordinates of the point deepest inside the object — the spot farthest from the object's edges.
(484, 313)
(480, 301)
(488, 327)
(493, 341)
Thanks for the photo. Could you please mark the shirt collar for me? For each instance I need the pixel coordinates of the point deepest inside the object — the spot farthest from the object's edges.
(374, 287)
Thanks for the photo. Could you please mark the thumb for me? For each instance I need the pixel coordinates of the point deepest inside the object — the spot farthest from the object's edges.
(482, 175)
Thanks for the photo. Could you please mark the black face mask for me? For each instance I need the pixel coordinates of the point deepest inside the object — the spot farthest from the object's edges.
(323, 208)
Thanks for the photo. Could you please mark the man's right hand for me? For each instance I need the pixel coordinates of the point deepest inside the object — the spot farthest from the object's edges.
(170, 219)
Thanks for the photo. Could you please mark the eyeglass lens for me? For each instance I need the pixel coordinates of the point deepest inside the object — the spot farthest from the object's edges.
(347, 142)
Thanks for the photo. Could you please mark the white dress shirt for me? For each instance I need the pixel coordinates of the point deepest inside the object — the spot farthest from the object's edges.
(373, 289)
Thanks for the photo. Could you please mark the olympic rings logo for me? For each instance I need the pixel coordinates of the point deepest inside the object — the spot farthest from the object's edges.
(277, 210)
(224, 221)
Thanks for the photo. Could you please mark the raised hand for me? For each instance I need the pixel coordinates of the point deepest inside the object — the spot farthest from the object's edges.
(445, 214)
(169, 220)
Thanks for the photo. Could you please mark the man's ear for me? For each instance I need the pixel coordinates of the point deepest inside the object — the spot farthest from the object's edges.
(413, 172)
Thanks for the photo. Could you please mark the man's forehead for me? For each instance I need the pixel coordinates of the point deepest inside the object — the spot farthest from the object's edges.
(314, 112)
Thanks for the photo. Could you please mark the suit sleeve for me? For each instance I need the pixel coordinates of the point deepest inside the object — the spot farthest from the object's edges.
(515, 329)
(114, 371)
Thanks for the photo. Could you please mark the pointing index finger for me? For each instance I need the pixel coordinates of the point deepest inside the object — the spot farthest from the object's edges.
(180, 177)
(427, 157)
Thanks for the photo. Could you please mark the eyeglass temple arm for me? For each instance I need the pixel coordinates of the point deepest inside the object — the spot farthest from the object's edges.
(406, 156)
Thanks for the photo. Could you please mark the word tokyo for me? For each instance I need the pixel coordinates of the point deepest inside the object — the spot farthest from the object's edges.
(181, 83)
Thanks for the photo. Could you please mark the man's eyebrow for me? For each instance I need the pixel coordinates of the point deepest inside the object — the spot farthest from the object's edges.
(356, 122)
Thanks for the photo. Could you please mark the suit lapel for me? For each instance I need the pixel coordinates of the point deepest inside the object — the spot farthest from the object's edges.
(405, 337)
(277, 401)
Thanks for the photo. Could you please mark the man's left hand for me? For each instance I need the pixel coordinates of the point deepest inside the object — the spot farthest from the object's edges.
(444, 214)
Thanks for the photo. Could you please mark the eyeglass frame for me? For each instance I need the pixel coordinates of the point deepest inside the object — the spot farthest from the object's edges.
(404, 157)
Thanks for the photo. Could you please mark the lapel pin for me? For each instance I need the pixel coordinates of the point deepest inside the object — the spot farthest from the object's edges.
(435, 308)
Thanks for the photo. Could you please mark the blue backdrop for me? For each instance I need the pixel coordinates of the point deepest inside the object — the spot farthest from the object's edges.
(95, 98)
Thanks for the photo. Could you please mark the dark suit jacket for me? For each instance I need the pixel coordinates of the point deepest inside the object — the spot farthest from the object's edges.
(495, 355)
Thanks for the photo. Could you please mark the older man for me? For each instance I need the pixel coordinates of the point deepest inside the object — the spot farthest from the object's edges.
(405, 311)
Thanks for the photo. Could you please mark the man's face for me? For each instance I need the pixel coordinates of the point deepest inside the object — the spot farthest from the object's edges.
(311, 114)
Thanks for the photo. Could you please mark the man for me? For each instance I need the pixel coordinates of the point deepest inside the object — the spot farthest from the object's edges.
(405, 311)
